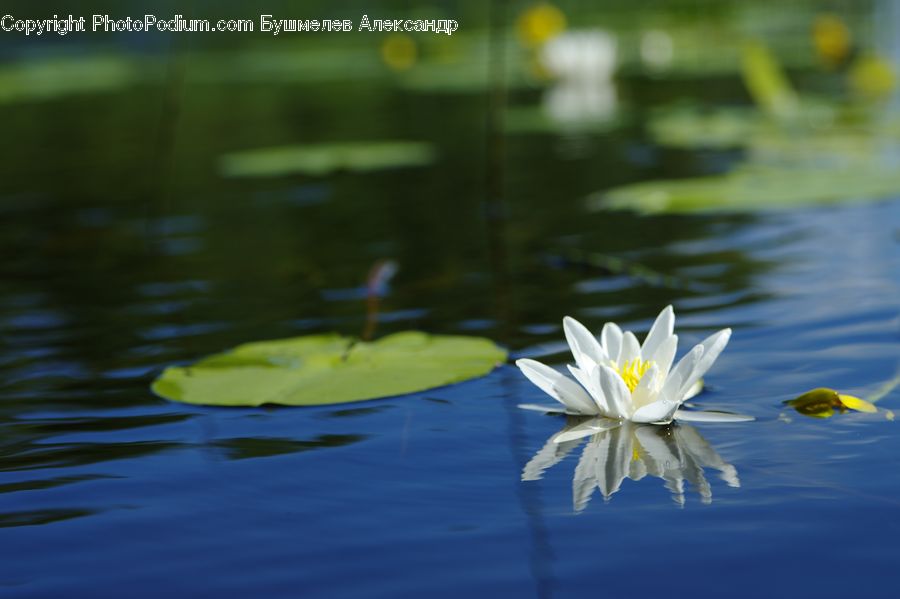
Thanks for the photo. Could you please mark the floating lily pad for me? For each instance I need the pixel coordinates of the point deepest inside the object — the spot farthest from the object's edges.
(824, 128)
(753, 188)
(536, 120)
(689, 128)
(329, 369)
(317, 61)
(323, 159)
(53, 77)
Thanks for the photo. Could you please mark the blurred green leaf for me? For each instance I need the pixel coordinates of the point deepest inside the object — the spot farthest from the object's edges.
(329, 369)
(753, 188)
(766, 81)
(323, 159)
(54, 76)
(689, 128)
(535, 120)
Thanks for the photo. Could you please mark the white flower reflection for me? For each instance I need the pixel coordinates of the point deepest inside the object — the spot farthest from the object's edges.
(618, 450)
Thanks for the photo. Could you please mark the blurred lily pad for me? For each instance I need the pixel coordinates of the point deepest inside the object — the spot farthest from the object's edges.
(323, 159)
(690, 128)
(55, 76)
(318, 60)
(753, 188)
(536, 120)
(459, 78)
(329, 369)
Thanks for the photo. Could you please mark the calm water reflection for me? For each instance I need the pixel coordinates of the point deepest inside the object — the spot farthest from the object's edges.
(616, 450)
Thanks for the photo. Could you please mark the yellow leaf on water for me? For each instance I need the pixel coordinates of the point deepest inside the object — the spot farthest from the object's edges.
(822, 403)
(855, 403)
(818, 403)
(827, 413)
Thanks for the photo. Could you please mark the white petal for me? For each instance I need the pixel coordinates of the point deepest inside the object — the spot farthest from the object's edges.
(659, 412)
(710, 416)
(549, 455)
(587, 428)
(591, 382)
(703, 454)
(582, 377)
(657, 449)
(662, 329)
(630, 350)
(665, 354)
(585, 347)
(585, 479)
(672, 387)
(693, 391)
(664, 457)
(603, 464)
(558, 386)
(545, 409)
(712, 347)
(616, 392)
(637, 469)
(648, 389)
(611, 339)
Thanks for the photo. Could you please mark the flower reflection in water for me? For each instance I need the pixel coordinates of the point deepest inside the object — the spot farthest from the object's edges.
(617, 450)
(582, 64)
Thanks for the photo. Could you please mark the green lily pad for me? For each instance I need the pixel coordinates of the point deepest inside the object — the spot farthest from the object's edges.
(535, 120)
(753, 188)
(329, 369)
(690, 128)
(57, 76)
(323, 159)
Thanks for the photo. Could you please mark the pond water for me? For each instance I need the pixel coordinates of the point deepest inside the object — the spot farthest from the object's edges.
(125, 250)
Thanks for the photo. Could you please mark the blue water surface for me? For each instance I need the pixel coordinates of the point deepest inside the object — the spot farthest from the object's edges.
(109, 495)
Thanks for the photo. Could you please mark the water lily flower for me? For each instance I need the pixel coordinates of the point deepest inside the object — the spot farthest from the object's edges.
(581, 56)
(582, 63)
(622, 379)
(620, 449)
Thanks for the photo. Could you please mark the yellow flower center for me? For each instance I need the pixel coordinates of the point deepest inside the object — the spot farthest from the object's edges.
(633, 371)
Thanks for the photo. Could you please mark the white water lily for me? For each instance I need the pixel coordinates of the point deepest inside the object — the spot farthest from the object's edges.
(626, 380)
(582, 63)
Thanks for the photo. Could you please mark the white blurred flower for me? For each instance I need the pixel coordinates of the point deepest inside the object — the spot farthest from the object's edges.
(624, 380)
(580, 55)
(582, 64)
(657, 49)
(573, 103)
